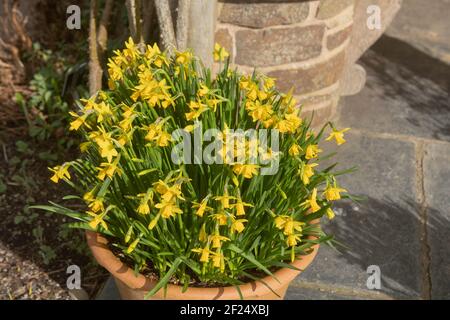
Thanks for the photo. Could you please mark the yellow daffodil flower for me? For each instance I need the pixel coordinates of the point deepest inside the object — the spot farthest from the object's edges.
(237, 225)
(312, 202)
(306, 172)
(240, 206)
(96, 205)
(97, 220)
(217, 240)
(338, 135)
(204, 253)
(220, 54)
(78, 122)
(312, 151)
(201, 207)
(246, 170)
(292, 239)
(218, 260)
(333, 193)
(295, 150)
(221, 217)
(107, 169)
(60, 172)
(168, 209)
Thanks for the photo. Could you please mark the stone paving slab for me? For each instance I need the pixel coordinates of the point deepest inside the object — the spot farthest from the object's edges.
(296, 293)
(406, 93)
(382, 230)
(437, 192)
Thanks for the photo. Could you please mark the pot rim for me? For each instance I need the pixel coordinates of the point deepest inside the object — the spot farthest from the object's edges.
(119, 270)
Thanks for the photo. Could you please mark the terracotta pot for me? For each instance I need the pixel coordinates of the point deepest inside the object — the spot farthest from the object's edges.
(132, 287)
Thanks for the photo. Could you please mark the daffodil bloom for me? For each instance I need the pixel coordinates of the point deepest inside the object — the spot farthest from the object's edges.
(158, 135)
(292, 239)
(131, 51)
(97, 220)
(291, 226)
(240, 206)
(152, 52)
(246, 170)
(220, 54)
(244, 82)
(330, 213)
(103, 110)
(107, 169)
(333, 193)
(107, 150)
(153, 130)
(237, 225)
(78, 122)
(168, 193)
(295, 150)
(288, 224)
(306, 172)
(60, 172)
(204, 253)
(96, 205)
(203, 91)
(221, 217)
(114, 70)
(126, 124)
(312, 202)
(289, 102)
(168, 209)
(269, 83)
(105, 143)
(189, 128)
(258, 111)
(143, 208)
(183, 57)
(225, 199)
(218, 260)
(338, 135)
(89, 196)
(312, 151)
(201, 207)
(197, 108)
(217, 239)
(163, 140)
(132, 246)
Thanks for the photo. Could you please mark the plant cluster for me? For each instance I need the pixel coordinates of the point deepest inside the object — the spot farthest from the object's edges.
(197, 223)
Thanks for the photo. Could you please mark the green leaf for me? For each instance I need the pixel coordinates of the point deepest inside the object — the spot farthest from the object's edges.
(252, 259)
(164, 280)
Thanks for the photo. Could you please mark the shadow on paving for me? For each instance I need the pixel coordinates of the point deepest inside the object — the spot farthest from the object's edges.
(369, 231)
(405, 73)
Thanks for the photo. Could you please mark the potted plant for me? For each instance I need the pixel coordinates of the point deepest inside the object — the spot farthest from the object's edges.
(191, 186)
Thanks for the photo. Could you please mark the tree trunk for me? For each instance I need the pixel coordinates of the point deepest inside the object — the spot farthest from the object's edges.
(202, 22)
(165, 25)
(95, 70)
(183, 23)
(14, 41)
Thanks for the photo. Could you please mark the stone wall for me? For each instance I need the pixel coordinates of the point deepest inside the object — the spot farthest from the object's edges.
(300, 43)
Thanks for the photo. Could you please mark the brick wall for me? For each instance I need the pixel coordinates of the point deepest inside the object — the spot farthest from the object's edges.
(300, 43)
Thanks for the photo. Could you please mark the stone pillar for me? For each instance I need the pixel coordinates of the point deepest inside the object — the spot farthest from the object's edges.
(300, 43)
(307, 45)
